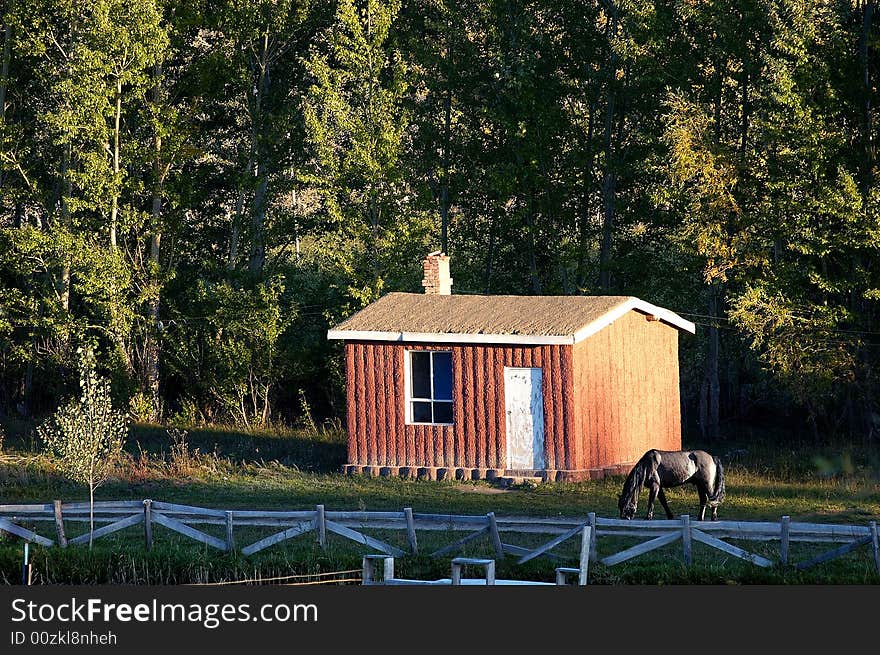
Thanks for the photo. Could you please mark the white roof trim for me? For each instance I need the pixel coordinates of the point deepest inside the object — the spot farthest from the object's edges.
(633, 303)
(521, 339)
(451, 337)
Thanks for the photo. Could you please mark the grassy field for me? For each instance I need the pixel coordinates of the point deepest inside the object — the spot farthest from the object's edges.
(233, 469)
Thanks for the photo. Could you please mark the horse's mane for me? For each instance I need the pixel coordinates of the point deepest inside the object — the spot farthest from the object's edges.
(635, 480)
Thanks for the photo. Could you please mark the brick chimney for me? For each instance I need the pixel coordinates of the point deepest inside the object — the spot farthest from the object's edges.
(437, 280)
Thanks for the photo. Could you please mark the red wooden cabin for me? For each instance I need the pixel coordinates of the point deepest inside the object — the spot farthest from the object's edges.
(466, 386)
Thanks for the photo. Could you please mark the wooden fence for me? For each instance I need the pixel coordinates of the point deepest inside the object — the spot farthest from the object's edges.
(114, 516)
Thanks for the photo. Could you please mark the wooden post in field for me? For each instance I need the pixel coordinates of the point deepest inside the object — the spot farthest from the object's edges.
(411, 530)
(593, 535)
(148, 524)
(230, 541)
(784, 539)
(494, 536)
(586, 541)
(26, 565)
(455, 576)
(59, 524)
(875, 546)
(686, 539)
(321, 525)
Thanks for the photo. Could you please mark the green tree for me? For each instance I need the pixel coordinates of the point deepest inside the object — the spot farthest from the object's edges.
(86, 435)
(356, 129)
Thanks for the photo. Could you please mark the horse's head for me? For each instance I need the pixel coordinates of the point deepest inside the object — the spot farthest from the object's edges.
(627, 506)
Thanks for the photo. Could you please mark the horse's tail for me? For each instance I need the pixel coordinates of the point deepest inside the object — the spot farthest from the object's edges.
(635, 480)
(717, 496)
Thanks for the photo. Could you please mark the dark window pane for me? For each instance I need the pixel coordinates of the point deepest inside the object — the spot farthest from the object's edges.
(443, 376)
(442, 412)
(421, 412)
(420, 369)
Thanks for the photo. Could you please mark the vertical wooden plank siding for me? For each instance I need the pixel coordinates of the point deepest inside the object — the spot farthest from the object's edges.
(480, 433)
(382, 423)
(606, 400)
(500, 415)
(489, 393)
(376, 393)
(471, 447)
(551, 444)
(580, 412)
(568, 434)
(627, 391)
(395, 446)
(616, 404)
(361, 405)
(370, 402)
(397, 392)
(351, 404)
(558, 408)
(673, 399)
(458, 406)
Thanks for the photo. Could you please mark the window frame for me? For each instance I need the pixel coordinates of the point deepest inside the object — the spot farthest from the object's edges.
(408, 375)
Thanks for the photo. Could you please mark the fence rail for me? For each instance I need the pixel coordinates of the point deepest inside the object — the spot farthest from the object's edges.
(113, 516)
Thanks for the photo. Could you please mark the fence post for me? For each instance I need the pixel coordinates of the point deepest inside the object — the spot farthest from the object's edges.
(784, 539)
(593, 535)
(455, 576)
(686, 539)
(586, 541)
(230, 540)
(875, 546)
(411, 530)
(148, 524)
(59, 524)
(26, 565)
(321, 525)
(367, 575)
(494, 536)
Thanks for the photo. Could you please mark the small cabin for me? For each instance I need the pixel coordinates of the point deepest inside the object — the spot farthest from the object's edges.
(442, 385)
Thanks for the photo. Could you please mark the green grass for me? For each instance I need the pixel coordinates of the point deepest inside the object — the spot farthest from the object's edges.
(232, 469)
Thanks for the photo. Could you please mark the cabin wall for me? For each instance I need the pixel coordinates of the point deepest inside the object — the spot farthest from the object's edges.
(379, 435)
(626, 392)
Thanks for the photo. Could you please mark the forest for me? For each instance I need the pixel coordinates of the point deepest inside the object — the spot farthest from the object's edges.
(199, 190)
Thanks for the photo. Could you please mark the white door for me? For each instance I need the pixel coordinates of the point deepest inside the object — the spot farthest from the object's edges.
(524, 402)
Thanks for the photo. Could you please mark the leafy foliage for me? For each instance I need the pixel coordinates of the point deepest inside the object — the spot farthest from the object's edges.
(171, 169)
(86, 435)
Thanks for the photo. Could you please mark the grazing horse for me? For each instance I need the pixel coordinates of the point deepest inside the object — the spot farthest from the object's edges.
(659, 469)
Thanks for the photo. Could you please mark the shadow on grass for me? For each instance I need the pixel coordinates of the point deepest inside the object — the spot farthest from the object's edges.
(318, 452)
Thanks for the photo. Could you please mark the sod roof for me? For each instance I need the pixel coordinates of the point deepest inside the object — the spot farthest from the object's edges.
(498, 319)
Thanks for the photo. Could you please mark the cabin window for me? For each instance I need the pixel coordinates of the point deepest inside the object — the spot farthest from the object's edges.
(430, 387)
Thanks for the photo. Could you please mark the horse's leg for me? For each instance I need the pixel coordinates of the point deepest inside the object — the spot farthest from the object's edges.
(653, 489)
(662, 497)
(715, 512)
(704, 500)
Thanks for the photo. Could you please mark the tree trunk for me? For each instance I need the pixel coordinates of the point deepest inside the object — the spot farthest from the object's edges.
(533, 261)
(65, 221)
(4, 74)
(257, 258)
(114, 205)
(868, 119)
(258, 227)
(91, 513)
(584, 218)
(151, 345)
(714, 388)
(447, 139)
(609, 181)
(444, 185)
(490, 254)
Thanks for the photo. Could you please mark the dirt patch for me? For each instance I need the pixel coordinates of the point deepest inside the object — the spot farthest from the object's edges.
(481, 489)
